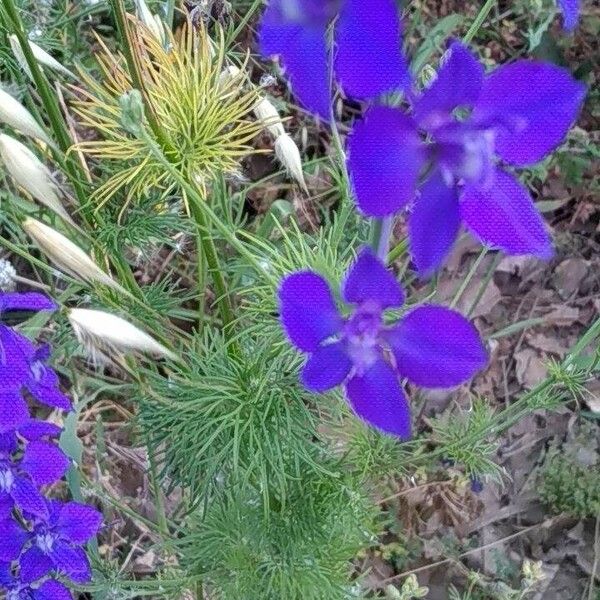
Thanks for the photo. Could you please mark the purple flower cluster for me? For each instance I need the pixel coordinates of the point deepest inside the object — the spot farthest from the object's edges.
(446, 152)
(430, 346)
(41, 539)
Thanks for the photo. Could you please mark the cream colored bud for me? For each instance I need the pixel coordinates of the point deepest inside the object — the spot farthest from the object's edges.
(152, 22)
(32, 175)
(102, 331)
(289, 156)
(40, 55)
(228, 74)
(13, 113)
(267, 113)
(66, 255)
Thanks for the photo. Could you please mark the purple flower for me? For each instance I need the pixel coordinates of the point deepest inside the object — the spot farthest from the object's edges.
(17, 590)
(41, 463)
(570, 11)
(431, 346)
(462, 127)
(367, 59)
(56, 542)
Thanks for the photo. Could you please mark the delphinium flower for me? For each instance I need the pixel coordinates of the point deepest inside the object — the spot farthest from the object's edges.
(40, 538)
(463, 135)
(430, 345)
(367, 58)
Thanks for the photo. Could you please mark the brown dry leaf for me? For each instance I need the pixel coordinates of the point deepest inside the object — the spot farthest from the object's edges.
(530, 369)
(551, 345)
(569, 275)
(563, 316)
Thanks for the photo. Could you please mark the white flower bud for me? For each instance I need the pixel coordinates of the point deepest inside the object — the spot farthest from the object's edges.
(7, 276)
(289, 156)
(267, 113)
(40, 55)
(152, 22)
(228, 74)
(66, 255)
(13, 113)
(96, 329)
(32, 175)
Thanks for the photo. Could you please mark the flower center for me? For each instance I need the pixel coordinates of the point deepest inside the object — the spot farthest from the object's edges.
(45, 542)
(362, 336)
(309, 12)
(7, 480)
(37, 369)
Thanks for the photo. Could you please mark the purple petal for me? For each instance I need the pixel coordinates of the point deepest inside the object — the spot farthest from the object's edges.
(436, 347)
(34, 430)
(11, 540)
(52, 590)
(301, 44)
(327, 367)
(28, 498)
(570, 12)
(369, 281)
(34, 565)
(307, 309)
(45, 462)
(15, 351)
(71, 561)
(433, 225)
(6, 506)
(31, 301)
(458, 83)
(385, 157)
(504, 216)
(6, 577)
(378, 398)
(78, 522)
(13, 410)
(50, 395)
(368, 57)
(531, 105)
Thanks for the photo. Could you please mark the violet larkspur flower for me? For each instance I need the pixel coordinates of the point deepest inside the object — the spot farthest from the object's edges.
(462, 127)
(367, 60)
(41, 463)
(430, 345)
(57, 540)
(17, 590)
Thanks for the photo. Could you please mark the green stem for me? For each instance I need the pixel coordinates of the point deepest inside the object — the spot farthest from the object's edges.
(465, 282)
(479, 19)
(381, 230)
(136, 74)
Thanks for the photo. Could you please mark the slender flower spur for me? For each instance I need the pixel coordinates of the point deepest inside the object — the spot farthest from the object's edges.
(366, 65)
(570, 11)
(431, 346)
(463, 128)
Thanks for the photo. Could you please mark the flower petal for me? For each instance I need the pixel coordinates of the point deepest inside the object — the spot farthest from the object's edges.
(385, 157)
(15, 351)
(28, 498)
(377, 398)
(44, 462)
(11, 541)
(301, 43)
(327, 367)
(531, 105)
(34, 430)
(78, 522)
(368, 280)
(30, 301)
(570, 12)
(52, 590)
(458, 83)
(504, 216)
(433, 225)
(436, 347)
(13, 410)
(34, 565)
(307, 310)
(368, 64)
(71, 561)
